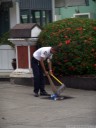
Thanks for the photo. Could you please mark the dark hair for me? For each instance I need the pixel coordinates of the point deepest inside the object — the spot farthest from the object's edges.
(56, 48)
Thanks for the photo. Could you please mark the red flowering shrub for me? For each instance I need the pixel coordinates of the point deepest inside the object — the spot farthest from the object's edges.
(78, 52)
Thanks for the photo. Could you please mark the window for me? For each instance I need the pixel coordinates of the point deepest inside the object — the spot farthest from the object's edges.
(84, 15)
(40, 17)
(24, 16)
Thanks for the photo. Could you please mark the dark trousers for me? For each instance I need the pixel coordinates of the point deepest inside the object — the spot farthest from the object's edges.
(39, 82)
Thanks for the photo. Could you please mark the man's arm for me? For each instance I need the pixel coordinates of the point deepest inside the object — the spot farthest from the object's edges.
(49, 65)
(43, 65)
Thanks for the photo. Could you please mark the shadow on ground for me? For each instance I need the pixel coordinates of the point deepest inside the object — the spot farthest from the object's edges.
(62, 97)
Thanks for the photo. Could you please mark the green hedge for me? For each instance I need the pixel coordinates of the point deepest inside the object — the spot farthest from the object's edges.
(4, 40)
(78, 53)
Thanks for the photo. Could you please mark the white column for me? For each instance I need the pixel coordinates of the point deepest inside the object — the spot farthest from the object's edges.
(16, 57)
(14, 14)
(17, 12)
(29, 58)
(53, 10)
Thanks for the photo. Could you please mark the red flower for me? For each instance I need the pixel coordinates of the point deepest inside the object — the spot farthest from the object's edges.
(79, 29)
(92, 49)
(65, 60)
(71, 68)
(59, 63)
(68, 28)
(94, 28)
(67, 41)
(60, 44)
(66, 36)
(94, 65)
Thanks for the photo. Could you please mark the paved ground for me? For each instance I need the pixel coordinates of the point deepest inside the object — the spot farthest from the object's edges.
(20, 109)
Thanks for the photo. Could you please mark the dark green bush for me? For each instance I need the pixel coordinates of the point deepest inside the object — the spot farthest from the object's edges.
(4, 40)
(78, 53)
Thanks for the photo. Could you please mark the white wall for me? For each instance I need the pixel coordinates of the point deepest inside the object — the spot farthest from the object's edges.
(14, 14)
(7, 53)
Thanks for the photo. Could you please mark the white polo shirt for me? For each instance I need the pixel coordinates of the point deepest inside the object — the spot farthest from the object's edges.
(43, 52)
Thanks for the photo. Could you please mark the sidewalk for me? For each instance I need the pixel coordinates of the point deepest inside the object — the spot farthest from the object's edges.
(20, 109)
(4, 76)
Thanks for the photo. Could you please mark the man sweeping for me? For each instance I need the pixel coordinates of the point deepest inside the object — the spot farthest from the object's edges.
(39, 69)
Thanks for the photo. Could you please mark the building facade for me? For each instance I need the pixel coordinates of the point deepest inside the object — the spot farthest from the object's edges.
(76, 8)
(42, 12)
(13, 12)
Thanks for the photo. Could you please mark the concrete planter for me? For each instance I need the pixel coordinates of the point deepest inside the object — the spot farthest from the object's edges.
(21, 81)
(79, 82)
(87, 83)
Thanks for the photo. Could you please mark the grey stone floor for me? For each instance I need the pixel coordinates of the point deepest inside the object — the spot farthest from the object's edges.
(20, 109)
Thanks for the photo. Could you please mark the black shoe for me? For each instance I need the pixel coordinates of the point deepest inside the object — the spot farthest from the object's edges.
(36, 95)
(44, 94)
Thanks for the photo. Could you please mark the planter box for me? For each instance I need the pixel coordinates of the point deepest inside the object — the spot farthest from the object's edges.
(87, 83)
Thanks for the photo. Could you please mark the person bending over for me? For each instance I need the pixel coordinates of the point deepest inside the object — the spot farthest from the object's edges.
(39, 69)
